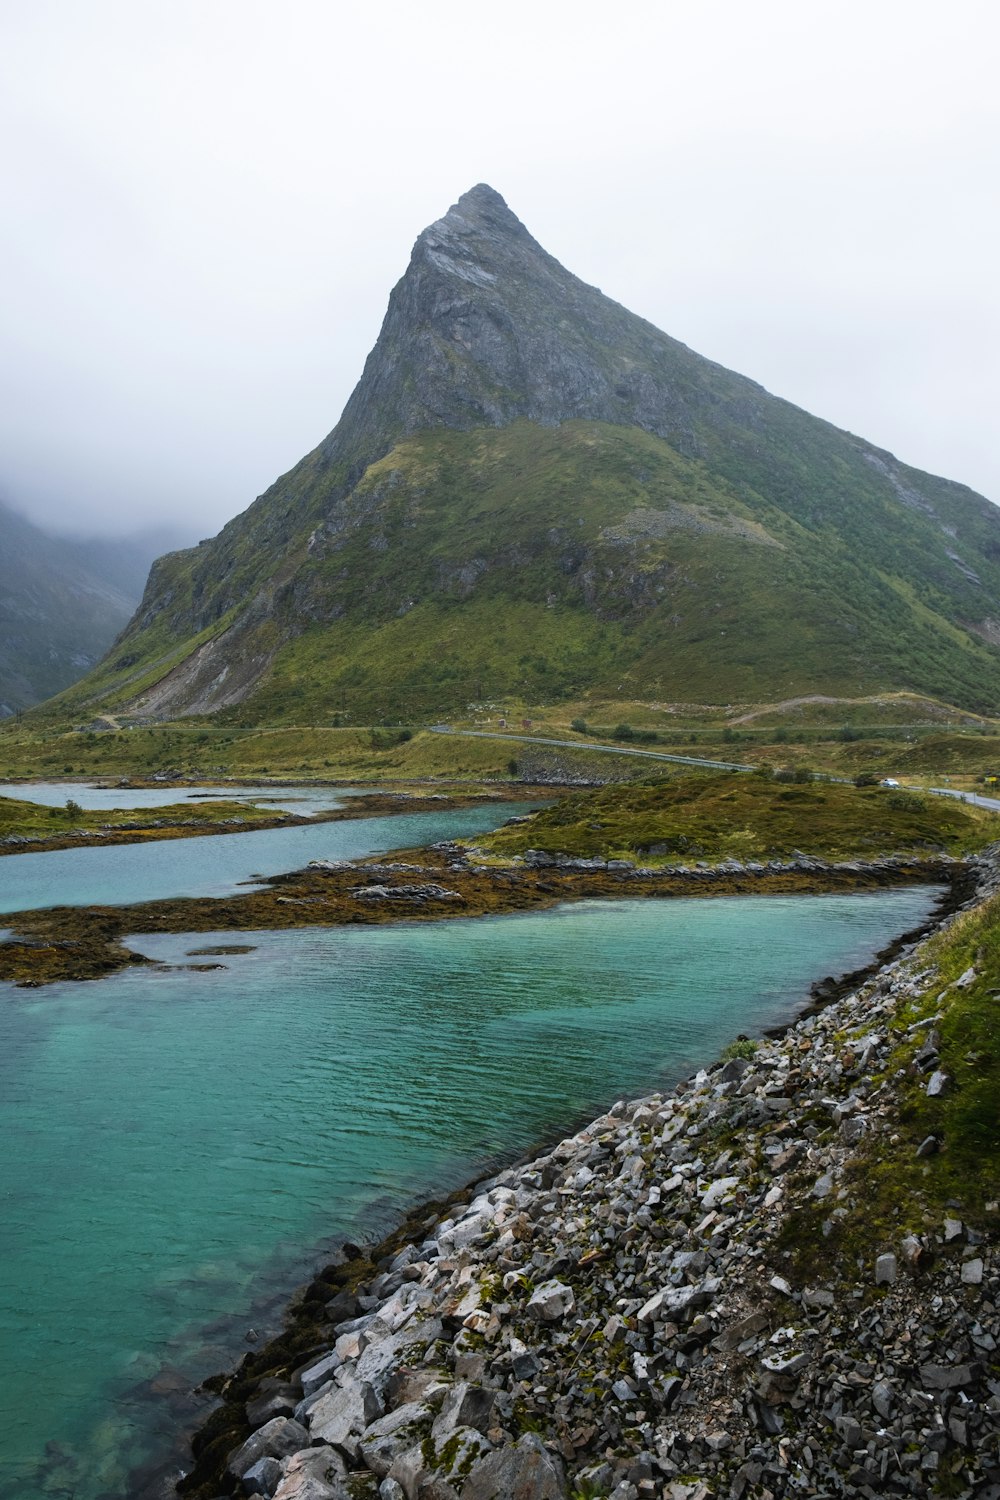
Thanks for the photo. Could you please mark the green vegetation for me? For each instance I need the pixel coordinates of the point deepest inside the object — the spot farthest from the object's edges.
(891, 1190)
(575, 507)
(742, 1047)
(205, 751)
(548, 563)
(32, 820)
(715, 816)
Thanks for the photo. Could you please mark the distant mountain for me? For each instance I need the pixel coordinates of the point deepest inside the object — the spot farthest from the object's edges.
(534, 492)
(62, 602)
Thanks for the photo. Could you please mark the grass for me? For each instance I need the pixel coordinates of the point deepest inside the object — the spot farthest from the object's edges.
(715, 816)
(19, 819)
(891, 1191)
(547, 563)
(206, 750)
(965, 1118)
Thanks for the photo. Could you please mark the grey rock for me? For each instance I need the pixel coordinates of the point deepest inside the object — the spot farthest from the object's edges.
(911, 1249)
(392, 1435)
(882, 1398)
(551, 1301)
(524, 1470)
(344, 1412)
(718, 1191)
(408, 1474)
(454, 1458)
(313, 1474)
(947, 1377)
(677, 1302)
(276, 1439)
(263, 1477)
(885, 1270)
(464, 1406)
(319, 1373)
(280, 1402)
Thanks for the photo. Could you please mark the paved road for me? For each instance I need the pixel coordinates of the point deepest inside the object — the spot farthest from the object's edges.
(537, 739)
(992, 804)
(977, 801)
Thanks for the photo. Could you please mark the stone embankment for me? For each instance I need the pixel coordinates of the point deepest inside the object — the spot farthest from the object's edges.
(621, 1316)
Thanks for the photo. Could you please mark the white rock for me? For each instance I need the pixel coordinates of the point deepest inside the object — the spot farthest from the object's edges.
(885, 1269)
(551, 1301)
(719, 1190)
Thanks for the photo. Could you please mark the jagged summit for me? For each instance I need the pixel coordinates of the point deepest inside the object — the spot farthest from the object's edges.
(481, 209)
(532, 491)
(486, 328)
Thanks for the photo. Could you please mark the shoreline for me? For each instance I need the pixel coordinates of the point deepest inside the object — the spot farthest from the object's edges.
(307, 1335)
(137, 831)
(443, 882)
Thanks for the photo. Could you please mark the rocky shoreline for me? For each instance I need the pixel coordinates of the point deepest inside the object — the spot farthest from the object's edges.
(628, 1314)
(445, 881)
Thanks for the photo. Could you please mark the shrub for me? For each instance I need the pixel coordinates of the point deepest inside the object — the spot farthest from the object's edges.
(741, 1047)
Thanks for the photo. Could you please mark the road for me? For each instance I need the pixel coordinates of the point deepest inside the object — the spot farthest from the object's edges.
(992, 804)
(537, 739)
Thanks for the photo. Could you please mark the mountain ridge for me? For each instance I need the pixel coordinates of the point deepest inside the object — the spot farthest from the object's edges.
(678, 468)
(63, 600)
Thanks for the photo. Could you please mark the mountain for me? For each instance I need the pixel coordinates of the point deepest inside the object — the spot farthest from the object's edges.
(534, 492)
(62, 602)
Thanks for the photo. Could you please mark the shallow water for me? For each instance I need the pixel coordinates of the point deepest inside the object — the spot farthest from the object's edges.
(179, 1144)
(216, 864)
(305, 799)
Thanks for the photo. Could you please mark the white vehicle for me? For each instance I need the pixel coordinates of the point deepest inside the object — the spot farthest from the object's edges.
(890, 781)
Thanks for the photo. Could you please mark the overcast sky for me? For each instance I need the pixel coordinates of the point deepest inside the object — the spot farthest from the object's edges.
(205, 203)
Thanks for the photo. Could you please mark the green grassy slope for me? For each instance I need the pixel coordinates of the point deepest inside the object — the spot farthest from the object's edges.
(588, 558)
(739, 816)
(533, 491)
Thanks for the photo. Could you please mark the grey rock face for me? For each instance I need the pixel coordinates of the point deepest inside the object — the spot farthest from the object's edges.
(313, 1474)
(885, 1270)
(524, 1470)
(263, 1477)
(551, 1301)
(343, 1412)
(276, 1439)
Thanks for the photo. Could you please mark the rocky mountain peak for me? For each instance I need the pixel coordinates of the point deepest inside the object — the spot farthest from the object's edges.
(575, 500)
(486, 328)
(476, 230)
(481, 210)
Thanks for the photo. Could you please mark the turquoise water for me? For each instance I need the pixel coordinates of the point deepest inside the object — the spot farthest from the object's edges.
(180, 1147)
(216, 864)
(304, 799)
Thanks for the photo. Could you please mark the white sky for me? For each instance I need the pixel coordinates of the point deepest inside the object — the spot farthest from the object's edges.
(205, 203)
